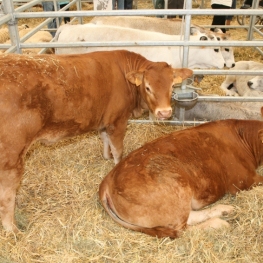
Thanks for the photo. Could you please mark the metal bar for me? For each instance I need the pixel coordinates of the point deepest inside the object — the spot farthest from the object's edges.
(187, 18)
(227, 72)
(27, 6)
(8, 8)
(142, 12)
(170, 122)
(259, 50)
(78, 4)
(5, 18)
(252, 21)
(165, 6)
(188, 4)
(228, 98)
(155, 43)
(55, 4)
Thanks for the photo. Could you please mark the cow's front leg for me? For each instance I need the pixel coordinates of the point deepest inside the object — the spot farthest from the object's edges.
(106, 145)
(9, 182)
(116, 135)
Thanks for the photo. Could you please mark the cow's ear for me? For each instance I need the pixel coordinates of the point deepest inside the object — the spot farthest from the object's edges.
(194, 30)
(218, 30)
(177, 80)
(180, 74)
(135, 77)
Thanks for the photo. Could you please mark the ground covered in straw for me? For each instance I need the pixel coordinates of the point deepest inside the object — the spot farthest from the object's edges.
(62, 221)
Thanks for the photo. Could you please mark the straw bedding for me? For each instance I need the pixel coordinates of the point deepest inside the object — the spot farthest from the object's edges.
(62, 221)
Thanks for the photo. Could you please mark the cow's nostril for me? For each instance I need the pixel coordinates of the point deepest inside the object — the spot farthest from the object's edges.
(233, 65)
(249, 83)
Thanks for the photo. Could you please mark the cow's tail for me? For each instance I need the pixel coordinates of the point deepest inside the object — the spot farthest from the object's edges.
(158, 231)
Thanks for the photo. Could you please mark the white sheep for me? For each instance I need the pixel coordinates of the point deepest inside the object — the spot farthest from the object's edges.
(40, 36)
(4, 33)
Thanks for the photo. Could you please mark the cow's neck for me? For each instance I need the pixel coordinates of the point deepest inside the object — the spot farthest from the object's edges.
(252, 142)
(136, 64)
(139, 104)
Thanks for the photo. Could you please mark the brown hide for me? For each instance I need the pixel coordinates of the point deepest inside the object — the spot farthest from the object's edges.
(50, 97)
(154, 189)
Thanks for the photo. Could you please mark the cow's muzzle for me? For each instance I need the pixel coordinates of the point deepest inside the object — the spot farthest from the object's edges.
(164, 114)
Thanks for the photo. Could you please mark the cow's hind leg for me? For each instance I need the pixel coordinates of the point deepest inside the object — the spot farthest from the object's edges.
(209, 216)
(9, 182)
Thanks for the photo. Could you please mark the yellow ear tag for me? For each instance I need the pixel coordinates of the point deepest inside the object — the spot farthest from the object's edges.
(137, 82)
(177, 80)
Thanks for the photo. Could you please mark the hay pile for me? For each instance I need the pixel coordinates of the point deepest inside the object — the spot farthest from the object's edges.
(62, 220)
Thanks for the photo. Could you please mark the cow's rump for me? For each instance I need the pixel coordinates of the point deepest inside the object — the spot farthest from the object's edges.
(158, 188)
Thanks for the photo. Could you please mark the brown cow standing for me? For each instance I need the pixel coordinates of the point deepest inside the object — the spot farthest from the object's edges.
(50, 97)
(157, 188)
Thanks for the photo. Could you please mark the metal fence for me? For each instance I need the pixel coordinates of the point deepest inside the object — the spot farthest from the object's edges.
(10, 15)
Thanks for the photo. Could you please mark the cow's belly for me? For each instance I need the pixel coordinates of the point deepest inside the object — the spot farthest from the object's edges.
(50, 138)
(53, 133)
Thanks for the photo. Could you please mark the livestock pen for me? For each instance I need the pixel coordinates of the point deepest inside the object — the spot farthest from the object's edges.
(57, 207)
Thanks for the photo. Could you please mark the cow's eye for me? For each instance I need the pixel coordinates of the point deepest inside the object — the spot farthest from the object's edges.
(216, 50)
(148, 89)
(227, 49)
(203, 38)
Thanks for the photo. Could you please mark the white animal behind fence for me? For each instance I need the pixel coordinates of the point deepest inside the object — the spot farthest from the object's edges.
(256, 83)
(238, 85)
(4, 33)
(40, 36)
(199, 56)
(166, 26)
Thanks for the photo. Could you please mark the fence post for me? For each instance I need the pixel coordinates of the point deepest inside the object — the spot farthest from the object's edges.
(8, 8)
(186, 34)
(252, 21)
(79, 7)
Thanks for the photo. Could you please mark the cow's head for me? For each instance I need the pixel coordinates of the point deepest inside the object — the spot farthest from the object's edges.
(227, 52)
(256, 83)
(155, 84)
(204, 56)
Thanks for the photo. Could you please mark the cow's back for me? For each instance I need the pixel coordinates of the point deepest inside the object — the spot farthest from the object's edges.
(170, 27)
(74, 91)
(205, 158)
(198, 56)
(95, 33)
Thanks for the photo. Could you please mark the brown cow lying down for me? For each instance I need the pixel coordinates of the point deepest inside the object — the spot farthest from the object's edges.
(50, 97)
(158, 188)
